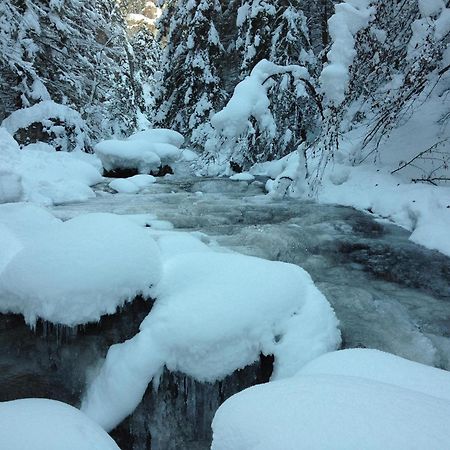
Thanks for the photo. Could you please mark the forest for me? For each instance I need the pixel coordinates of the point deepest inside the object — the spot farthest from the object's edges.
(224, 224)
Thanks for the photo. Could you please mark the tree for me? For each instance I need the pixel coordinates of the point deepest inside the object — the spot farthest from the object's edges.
(191, 84)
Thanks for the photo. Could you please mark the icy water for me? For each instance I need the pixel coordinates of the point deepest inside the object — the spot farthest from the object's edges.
(388, 293)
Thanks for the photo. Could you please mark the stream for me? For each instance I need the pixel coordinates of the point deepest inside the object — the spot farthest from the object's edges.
(388, 293)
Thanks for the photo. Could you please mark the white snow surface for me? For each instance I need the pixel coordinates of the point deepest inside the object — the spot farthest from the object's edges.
(214, 313)
(42, 176)
(74, 272)
(244, 176)
(384, 368)
(42, 424)
(322, 411)
(132, 185)
(159, 136)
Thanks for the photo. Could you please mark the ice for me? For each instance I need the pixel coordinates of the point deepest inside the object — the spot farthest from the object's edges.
(312, 411)
(215, 313)
(42, 424)
(74, 272)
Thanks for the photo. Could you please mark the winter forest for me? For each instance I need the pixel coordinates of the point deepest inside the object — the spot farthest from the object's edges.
(224, 224)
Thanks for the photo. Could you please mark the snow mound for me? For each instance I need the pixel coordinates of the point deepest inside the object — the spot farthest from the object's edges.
(144, 151)
(42, 424)
(78, 270)
(215, 313)
(132, 185)
(244, 176)
(384, 368)
(316, 411)
(159, 136)
(42, 176)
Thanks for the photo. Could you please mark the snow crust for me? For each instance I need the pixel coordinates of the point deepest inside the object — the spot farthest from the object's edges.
(366, 399)
(215, 313)
(74, 272)
(43, 176)
(42, 424)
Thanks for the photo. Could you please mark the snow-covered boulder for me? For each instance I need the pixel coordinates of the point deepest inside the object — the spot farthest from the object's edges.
(74, 272)
(318, 412)
(44, 176)
(344, 400)
(42, 424)
(215, 313)
(144, 152)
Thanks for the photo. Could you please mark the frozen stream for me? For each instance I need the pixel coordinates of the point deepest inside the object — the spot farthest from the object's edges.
(388, 292)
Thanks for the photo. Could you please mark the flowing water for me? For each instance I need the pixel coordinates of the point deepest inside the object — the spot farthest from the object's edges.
(388, 293)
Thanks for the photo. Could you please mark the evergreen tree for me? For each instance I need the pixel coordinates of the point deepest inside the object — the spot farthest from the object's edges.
(191, 85)
(74, 53)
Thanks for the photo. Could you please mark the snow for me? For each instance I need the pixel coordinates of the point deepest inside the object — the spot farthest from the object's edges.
(349, 18)
(132, 185)
(384, 368)
(244, 176)
(42, 176)
(250, 99)
(42, 424)
(312, 411)
(74, 272)
(159, 136)
(40, 112)
(215, 313)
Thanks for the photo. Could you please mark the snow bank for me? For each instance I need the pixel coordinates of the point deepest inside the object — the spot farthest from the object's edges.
(384, 368)
(74, 272)
(42, 176)
(422, 209)
(42, 424)
(144, 151)
(349, 18)
(323, 411)
(215, 313)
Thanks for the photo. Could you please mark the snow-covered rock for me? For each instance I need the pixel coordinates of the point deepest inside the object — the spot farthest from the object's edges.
(318, 412)
(42, 176)
(384, 368)
(74, 272)
(215, 313)
(144, 151)
(132, 185)
(42, 424)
